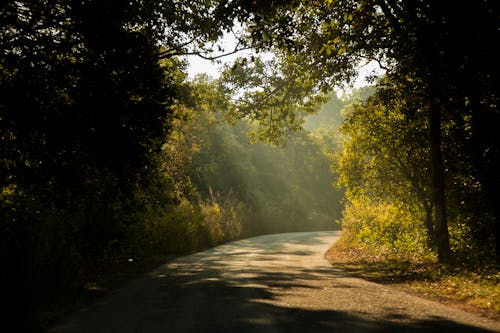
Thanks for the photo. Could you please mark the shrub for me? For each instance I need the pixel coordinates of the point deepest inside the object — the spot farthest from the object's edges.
(384, 228)
(185, 227)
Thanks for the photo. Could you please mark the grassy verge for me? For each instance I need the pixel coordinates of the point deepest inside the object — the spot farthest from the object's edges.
(469, 288)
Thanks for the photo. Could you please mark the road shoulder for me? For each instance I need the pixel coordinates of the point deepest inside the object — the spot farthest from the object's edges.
(429, 281)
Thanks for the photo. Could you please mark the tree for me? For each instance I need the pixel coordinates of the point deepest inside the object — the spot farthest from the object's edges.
(417, 40)
(274, 103)
(385, 154)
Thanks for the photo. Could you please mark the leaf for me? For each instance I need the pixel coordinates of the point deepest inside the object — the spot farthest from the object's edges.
(348, 16)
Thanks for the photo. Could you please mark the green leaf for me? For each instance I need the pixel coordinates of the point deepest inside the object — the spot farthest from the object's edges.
(348, 16)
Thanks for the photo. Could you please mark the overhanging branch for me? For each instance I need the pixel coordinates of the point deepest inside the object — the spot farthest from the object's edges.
(204, 54)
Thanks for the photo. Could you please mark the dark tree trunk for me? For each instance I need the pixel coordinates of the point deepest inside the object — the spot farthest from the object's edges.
(429, 34)
(438, 184)
(429, 227)
(485, 160)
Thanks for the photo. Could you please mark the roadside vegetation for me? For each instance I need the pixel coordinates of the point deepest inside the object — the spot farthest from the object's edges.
(468, 287)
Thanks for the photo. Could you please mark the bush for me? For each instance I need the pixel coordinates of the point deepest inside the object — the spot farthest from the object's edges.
(185, 227)
(384, 228)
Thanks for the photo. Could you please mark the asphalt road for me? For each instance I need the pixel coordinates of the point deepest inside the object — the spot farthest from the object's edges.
(273, 283)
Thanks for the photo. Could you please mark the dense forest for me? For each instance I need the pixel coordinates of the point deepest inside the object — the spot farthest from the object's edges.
(109, 151)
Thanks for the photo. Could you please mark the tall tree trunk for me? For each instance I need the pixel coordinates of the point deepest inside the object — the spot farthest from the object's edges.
(438, 183)
(429, 227)
(485, 159)
(429, 34)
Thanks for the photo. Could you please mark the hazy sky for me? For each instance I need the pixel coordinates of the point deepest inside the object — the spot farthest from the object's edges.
(199, 65)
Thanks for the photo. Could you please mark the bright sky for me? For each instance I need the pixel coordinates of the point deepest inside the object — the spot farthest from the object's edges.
(198, 65)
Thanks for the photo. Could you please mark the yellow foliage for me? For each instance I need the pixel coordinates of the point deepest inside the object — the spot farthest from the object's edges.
(385, 227)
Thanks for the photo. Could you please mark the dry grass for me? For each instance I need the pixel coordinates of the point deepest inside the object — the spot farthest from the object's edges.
(472, 289)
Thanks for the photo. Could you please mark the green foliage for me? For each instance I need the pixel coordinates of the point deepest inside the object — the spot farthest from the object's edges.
(274, 96)
(385, 161)
(388, 229)
(383, 166)
(280, 189)
(422, 45)
(184, 227)
(327, 117)
(384, 150)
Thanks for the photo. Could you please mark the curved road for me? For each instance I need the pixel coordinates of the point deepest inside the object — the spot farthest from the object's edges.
(273, 283)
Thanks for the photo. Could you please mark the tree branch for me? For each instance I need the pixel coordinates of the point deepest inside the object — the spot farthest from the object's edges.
(386, 9)
(202, 53)
(166, 53)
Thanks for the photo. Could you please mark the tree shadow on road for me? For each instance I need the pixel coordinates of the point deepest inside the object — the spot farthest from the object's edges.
(216, 306)
(210, 293)
(214, 298)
